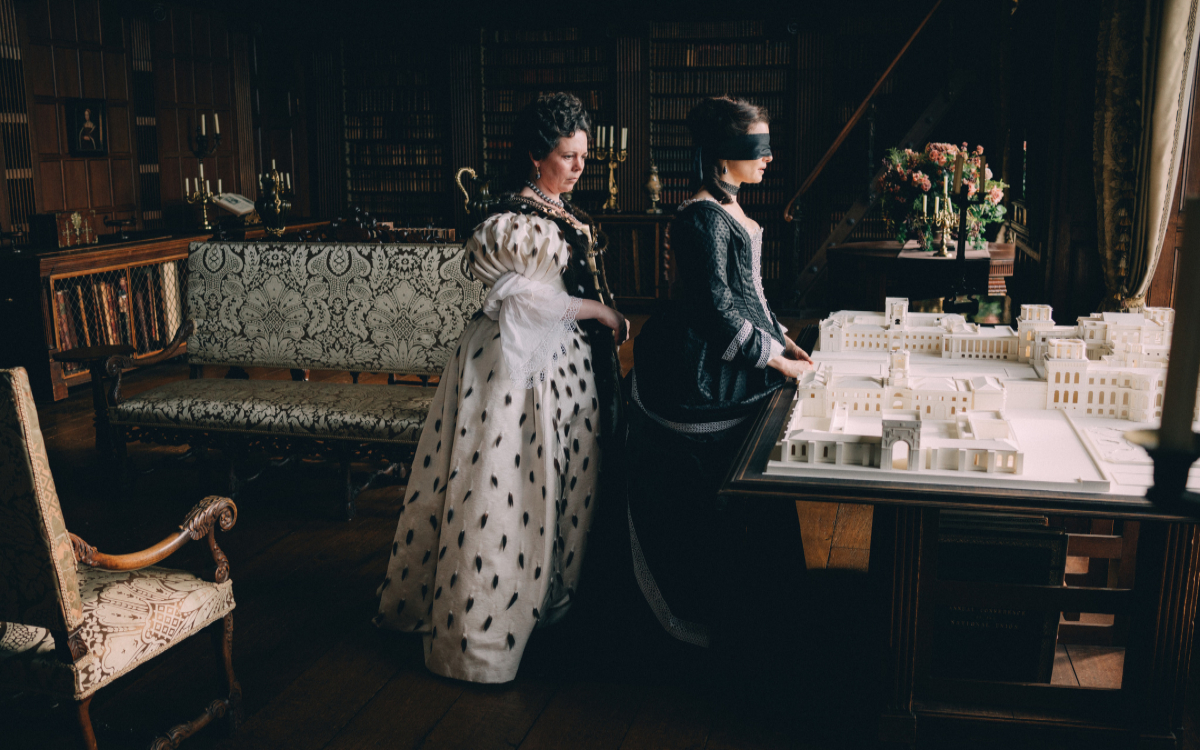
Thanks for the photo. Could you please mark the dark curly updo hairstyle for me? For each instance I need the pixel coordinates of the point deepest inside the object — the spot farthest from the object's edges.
(538, 128)
(714, 121)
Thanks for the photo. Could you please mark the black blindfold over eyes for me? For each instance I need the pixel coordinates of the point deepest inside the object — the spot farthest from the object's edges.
(745, 147)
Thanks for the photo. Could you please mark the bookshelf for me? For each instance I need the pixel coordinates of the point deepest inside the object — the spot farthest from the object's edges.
(690, 61)
(397, 155)
(519, 64)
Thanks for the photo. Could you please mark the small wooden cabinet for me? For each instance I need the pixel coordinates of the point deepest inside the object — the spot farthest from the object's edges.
(638, 261)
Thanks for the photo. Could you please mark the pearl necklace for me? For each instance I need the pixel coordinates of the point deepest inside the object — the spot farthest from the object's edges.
(543, 196)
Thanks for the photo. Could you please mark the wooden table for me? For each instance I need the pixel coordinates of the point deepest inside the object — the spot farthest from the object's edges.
(862, 274)
(1160, 605)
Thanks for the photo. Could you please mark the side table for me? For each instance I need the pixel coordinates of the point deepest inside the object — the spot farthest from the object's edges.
(95, 357)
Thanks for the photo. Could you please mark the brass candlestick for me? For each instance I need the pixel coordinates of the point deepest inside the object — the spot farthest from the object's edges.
(613, 156)
(273, 204)
(945, 220)
(202, 196)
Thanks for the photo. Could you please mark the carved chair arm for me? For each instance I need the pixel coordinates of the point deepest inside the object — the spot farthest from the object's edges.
(117, 364)
(200, 521)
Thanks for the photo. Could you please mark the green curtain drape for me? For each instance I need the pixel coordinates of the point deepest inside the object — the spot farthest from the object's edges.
(1145, 64)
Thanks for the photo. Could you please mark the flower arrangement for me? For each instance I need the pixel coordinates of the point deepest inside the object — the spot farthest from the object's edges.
(917, 181)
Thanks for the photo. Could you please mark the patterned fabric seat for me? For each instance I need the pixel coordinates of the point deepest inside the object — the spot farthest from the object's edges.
(342, 411)
(128, 618)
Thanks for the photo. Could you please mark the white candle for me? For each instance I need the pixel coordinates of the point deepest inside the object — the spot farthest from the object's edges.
(216, 124)
(1180, 400)
(206, 187)
(937, 204)
(202, 125)
(186, 189)
(925, 204)
(219, 190)
(624, 137)
(287, 179)
(201, 171)
(272, 165)
(600, 138)
(260, 178)
(612, 141)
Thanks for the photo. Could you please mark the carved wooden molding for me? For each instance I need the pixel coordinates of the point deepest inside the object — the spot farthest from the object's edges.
(84, 552)
(210, 511)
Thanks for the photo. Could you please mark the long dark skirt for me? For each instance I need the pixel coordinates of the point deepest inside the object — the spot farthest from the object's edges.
(711, 570)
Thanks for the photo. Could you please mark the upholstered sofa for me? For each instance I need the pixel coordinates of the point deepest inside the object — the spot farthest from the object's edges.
(396, 309)
(72, 618)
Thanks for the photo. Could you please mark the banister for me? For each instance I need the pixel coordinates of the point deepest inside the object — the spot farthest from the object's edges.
(858, 113)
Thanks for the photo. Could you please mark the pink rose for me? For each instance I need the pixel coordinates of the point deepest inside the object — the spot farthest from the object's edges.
(978, 149)
(995, 195)
(988, 173)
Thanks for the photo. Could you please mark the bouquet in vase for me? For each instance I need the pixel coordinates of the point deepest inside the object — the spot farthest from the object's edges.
(915, 189)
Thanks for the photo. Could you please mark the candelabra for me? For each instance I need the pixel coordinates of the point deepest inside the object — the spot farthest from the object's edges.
(202, 196)
(273, 204)
(613, 156)
(202, 147)
(944, 219)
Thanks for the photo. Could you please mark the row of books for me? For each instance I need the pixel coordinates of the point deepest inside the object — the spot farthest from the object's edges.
(703, 29)
(421, 181)
(394, 75)
(394, 155)
(399, 99)
(733, 82)
(677, 54)
(507, 102)
(101, 310)
(368, 130)
(677, 109)
(543, 55)
(517, 36)
(588, 74)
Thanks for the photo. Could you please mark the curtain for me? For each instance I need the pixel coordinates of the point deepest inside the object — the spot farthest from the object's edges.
(1146, 60)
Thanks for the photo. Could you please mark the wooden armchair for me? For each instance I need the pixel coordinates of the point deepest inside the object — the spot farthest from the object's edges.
(72, 618)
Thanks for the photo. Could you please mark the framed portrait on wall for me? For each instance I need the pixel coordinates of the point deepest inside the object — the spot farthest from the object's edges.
(87, 127)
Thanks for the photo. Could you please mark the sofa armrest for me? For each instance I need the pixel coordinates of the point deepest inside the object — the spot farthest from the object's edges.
(200, 521)
(117, 364)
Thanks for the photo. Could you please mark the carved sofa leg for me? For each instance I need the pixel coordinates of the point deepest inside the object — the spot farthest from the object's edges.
(85, 723)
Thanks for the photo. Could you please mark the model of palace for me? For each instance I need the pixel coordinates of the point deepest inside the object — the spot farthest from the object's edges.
(1110, 365)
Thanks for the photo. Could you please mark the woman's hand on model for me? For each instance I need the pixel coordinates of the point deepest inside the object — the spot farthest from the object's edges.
(792, 368)
(792, 351)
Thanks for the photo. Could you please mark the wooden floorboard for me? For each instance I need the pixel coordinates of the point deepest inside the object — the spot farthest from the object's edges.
(491, 717)
(672, 718)
(586, 716)
(402, 714)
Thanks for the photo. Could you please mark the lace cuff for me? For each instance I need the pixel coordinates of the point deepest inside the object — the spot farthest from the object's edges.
(535, 321)
(554, 343)
(771, 348)
(742, 336)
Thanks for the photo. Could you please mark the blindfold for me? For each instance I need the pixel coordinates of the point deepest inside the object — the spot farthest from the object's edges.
(744, 147)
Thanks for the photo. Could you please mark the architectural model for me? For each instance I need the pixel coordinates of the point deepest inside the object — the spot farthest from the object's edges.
(935, 395)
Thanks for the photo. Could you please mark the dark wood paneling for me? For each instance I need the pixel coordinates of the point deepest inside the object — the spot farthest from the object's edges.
(52, 186)
(116, 77)
(91, 73)
(62, 20)
(118, 130)
(122, 182)
(45, 120)
(75, 182)
(66, 72)
(100, 182)
(40, 70)
(185, 81)
(87, 20)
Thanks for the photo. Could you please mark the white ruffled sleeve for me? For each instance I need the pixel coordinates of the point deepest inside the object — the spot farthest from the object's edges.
(521, 258)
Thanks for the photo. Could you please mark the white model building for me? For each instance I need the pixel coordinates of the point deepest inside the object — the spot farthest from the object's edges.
(1110, 365)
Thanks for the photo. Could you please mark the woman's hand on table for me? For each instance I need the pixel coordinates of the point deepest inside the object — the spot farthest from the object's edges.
(792, 368)
(792, 351)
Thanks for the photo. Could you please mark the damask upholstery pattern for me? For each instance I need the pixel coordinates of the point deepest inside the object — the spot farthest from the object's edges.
(341, 411)
(128, 618)
(38, 583)
(368, 308)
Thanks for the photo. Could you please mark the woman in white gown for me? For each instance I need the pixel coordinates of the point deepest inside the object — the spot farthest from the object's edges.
(495, 520)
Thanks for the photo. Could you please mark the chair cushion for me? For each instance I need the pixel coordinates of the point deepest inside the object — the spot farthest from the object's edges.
(128, 618)
(345, 411)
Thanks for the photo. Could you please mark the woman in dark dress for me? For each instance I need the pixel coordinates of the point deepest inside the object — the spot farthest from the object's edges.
(703, 367)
